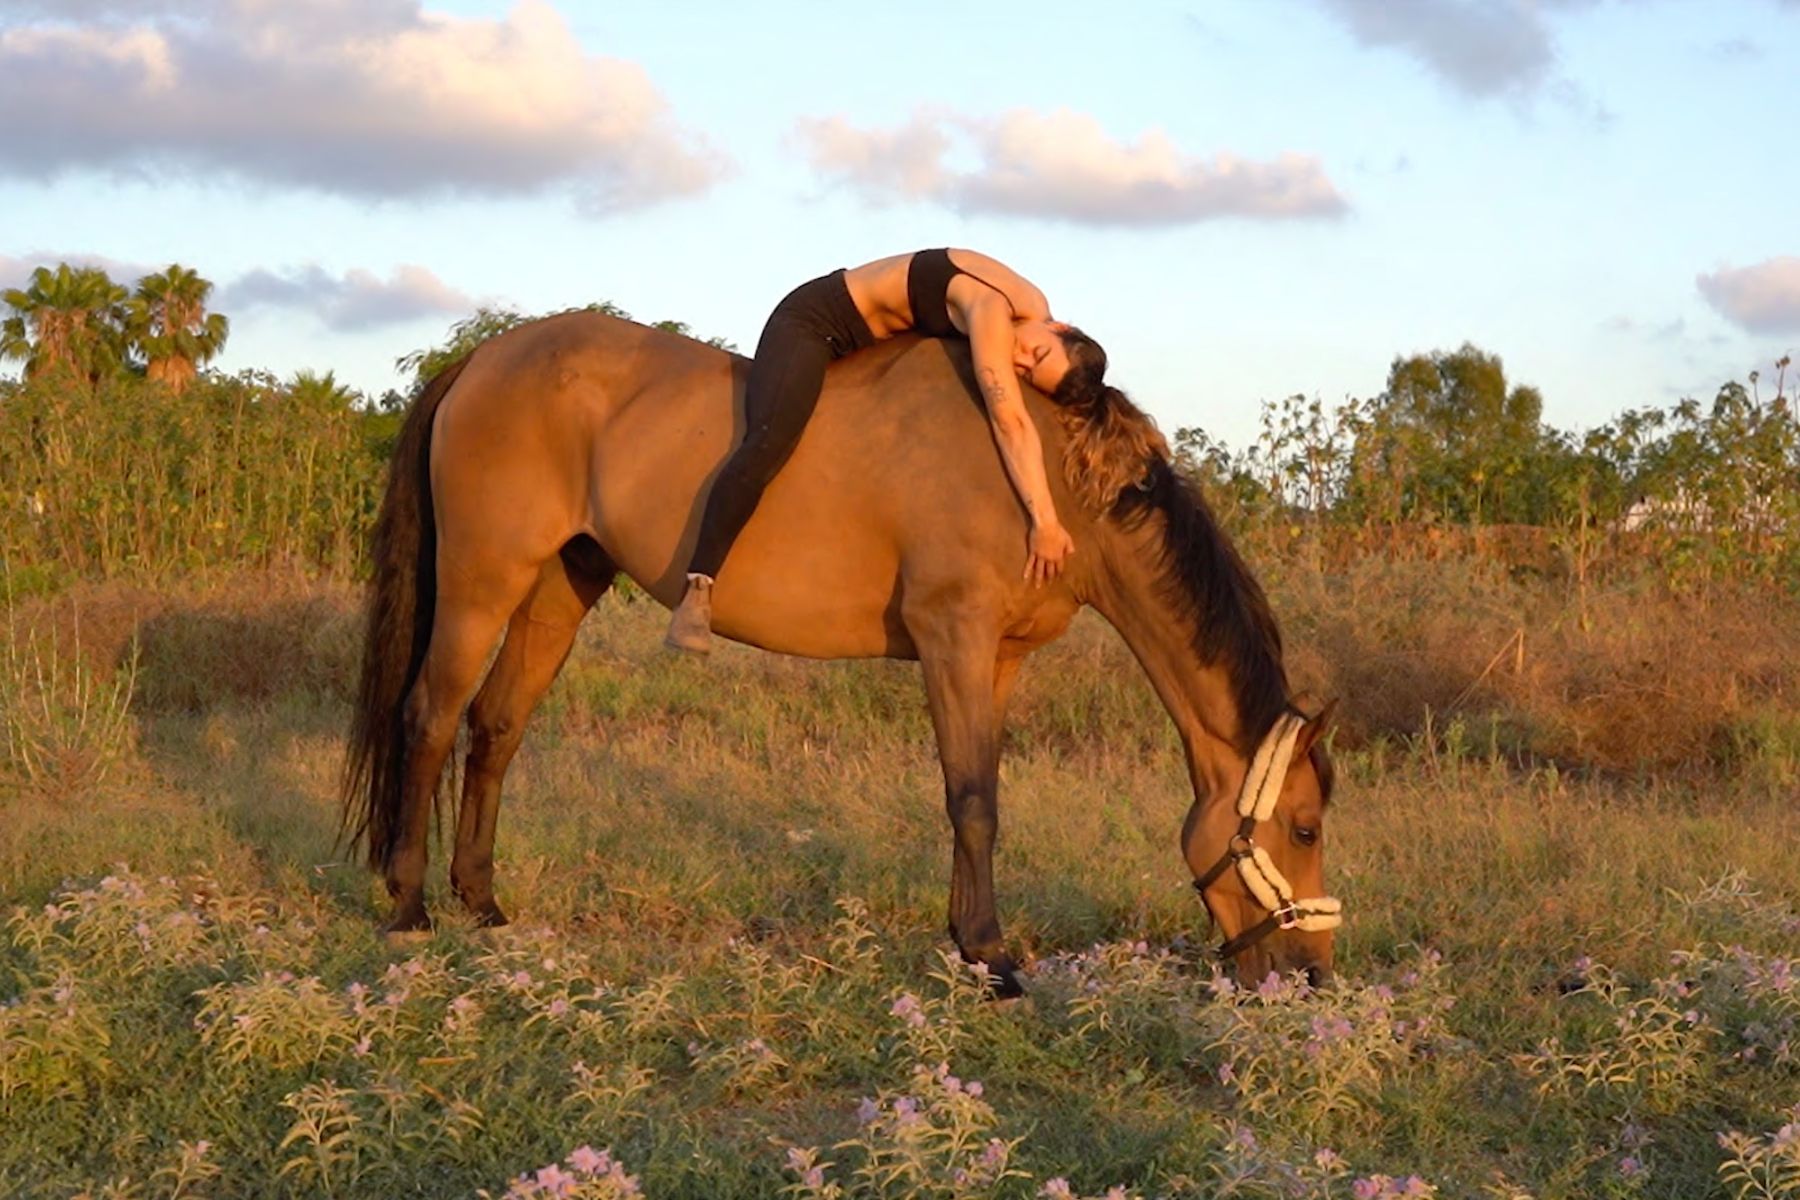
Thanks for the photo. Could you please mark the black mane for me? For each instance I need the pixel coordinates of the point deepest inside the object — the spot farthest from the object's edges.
(1207, 579)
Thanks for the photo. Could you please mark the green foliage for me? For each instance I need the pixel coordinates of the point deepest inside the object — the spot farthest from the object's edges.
(132, 476)
(67, 322)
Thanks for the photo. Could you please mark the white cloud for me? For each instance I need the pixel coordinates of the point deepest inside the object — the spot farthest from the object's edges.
(1063, 165)
(1764, 298)
(358, 299)
(365, 98)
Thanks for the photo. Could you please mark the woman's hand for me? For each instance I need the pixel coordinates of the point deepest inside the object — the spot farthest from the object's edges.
(1050, 544)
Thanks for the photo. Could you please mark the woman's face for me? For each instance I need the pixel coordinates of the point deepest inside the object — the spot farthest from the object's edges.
(1039, 357)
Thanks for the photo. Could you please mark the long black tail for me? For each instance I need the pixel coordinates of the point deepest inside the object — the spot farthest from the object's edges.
(397, 632)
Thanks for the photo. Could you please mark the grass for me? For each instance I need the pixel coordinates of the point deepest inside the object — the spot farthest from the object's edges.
(728, 973)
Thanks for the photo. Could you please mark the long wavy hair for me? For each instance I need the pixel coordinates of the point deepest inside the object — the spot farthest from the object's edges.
(1111, 442)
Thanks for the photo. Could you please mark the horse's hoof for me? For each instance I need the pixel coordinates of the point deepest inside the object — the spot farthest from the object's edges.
(489, 916)
(1003, 983)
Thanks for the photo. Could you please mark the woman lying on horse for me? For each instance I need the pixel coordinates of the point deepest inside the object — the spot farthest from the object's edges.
(937, 293)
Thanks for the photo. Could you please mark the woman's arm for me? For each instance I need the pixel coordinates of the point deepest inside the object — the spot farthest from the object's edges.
(991, 341)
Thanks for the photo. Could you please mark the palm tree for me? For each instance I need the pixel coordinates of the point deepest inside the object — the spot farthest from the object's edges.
(171, 328)
(72, 318)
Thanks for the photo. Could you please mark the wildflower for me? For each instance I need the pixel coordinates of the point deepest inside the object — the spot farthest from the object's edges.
(1270, 987)
(973, 1088)
(908, 1009)
(362, 1047)
(555, 1181)
(1327, 1159)
(1057, 1189)
(1630, 1167)
(559, 1007)
(1413, 1185)
(813, 1177)
(1786, 1138)
(994, 1154)
(1243, 1139)
(1370, 1188)
(1221, 987)
(866, 1111)
(1227, 1074)
(589, 1161)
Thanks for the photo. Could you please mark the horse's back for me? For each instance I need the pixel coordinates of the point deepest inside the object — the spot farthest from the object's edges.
(587, 424)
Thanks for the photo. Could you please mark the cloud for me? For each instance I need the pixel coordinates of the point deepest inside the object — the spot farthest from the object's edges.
(15, 272)
(1063, 166)
(365, 98)
(1764, 298)
(356, 300)
(1483, 48)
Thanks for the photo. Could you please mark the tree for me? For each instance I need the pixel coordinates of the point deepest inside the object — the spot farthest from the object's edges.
(70, 319)
(1449, 440)
(170, 327)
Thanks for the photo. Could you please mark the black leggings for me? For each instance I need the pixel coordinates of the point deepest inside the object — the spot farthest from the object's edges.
(816, 323)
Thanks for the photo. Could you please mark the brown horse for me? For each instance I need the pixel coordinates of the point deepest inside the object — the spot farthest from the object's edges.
(562, 452)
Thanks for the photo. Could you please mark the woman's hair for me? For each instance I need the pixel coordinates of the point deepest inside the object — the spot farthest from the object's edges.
(1111, 443)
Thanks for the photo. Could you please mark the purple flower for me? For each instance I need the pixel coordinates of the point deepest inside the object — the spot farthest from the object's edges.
(1056, 1189)
(813, 1177)
(1227, 1074)
(1412, 1185)
(590, 1161)
(994, 1154)
(866, 1111)
(1630, 1167)
(1368, 1189)
(907, 1009)
(1327, 1159)
(1270, 987)
(555, 1181)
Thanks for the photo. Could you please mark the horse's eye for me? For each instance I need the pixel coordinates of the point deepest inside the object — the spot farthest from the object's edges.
(1306, 835)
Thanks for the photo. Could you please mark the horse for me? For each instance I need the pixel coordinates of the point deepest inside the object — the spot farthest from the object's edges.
(531, 472)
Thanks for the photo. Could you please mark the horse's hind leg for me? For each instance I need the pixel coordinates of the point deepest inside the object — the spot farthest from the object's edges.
(467, 619)
(537, 643)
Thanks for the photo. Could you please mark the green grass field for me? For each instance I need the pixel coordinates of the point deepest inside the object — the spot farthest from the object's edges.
(727, 967)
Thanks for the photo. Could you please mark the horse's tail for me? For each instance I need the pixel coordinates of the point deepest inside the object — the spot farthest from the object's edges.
(397, 632)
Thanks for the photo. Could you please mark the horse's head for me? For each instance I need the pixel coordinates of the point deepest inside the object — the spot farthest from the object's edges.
(1259, 863)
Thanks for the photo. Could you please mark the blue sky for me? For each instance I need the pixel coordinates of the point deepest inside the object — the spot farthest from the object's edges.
(1240, 200)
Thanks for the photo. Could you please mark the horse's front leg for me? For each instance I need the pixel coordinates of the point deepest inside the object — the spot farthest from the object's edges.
(965, 693)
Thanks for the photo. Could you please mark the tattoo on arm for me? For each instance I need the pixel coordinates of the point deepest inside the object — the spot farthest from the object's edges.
(991, 387)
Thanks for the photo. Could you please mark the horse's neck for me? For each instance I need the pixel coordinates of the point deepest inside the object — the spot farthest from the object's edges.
(1129, 589)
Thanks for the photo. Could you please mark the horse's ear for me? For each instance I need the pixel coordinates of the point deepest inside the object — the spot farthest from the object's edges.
(1316, 727)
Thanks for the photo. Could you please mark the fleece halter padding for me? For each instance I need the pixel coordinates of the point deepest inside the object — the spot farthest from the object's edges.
(1265, 883)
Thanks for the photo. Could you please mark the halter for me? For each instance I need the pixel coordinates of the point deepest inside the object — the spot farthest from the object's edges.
(1269, 888)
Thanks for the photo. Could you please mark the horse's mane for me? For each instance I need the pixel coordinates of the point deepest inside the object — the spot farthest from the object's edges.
(1117, 463)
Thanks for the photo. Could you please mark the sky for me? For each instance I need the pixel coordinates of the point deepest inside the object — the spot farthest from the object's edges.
(1241, 199)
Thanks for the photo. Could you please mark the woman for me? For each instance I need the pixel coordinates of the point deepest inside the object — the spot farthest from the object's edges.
(937, 293)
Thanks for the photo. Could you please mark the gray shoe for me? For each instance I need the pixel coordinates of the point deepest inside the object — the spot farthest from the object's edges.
(690, 627)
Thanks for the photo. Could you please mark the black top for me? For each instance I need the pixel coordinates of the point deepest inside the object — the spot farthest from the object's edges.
(928, 279)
